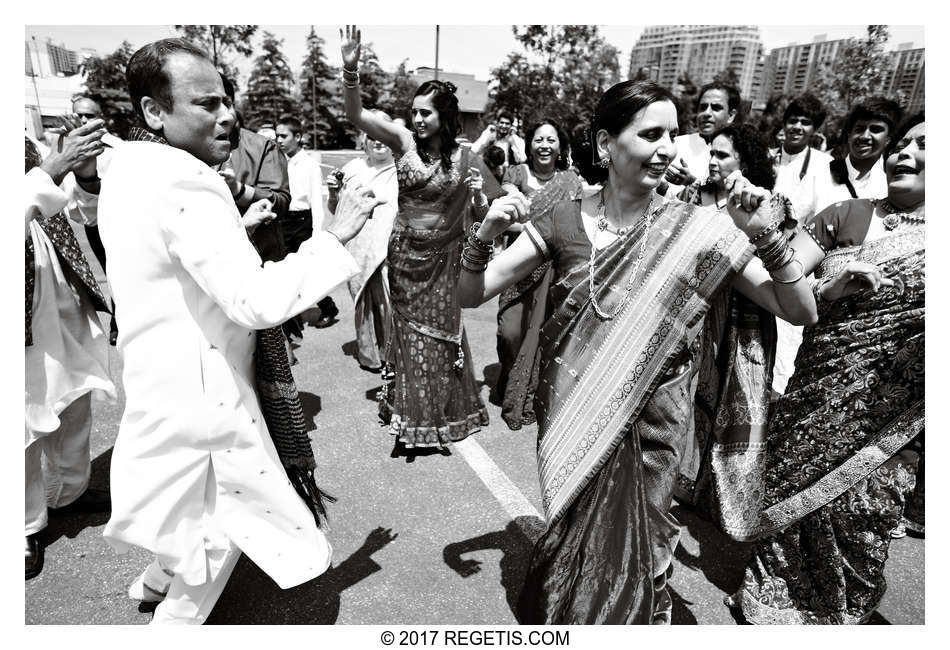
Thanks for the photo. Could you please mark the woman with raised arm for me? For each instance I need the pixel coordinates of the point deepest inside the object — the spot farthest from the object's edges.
(633, 279)
(434, 399)
(835, 485)
(545, 179)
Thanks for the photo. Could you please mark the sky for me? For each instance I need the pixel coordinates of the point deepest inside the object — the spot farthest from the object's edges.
(471, 49)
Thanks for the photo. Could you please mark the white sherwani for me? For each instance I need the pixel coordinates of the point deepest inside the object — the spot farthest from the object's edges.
(190, 292)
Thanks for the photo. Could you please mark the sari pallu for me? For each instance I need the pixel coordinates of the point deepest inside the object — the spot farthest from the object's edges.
(833, 491)
(434, 399)
(522, 310)
(598, 378)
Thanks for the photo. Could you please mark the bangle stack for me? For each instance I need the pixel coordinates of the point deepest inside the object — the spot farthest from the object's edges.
(769, 229)
(476, 253)
(351, 78)
(776, 254)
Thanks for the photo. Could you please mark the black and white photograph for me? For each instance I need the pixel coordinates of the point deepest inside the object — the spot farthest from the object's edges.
(487, 326)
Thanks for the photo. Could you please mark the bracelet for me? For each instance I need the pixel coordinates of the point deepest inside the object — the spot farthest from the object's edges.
(772, 227)
(87, 181)
(773, 252)
(475, 241)
(350, 81)
(475, 259)
(801, 273)
(816, 287)
(347, 71)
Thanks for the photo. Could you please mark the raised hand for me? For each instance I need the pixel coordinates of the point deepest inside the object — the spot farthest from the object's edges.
(748, 205)
(679, 174)
(474, 180)
(350, 48)
(75, 150)
(502, 213)
(355, 206)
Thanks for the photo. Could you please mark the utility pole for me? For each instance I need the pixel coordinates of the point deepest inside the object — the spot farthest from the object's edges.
(437, 52)
(33, 76)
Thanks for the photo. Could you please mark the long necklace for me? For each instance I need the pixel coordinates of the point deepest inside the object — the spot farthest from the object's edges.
(895, 215)
(602, 225)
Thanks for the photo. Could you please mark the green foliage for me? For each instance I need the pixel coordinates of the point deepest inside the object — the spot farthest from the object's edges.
(321, 102)
(105, 83)
(397, 95)
(270, 87)
(561, 74)
(222, 43)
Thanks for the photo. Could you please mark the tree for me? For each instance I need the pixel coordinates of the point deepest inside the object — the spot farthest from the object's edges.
(321, 98)
(728, 77)
(561, 74)
(859, 71)
(221, 42)
(270, 87)
(400, 88)
(105, 83)
(686, 94)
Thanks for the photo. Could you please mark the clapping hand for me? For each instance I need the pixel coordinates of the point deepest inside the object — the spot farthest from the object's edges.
(350, 48)
(76, 149)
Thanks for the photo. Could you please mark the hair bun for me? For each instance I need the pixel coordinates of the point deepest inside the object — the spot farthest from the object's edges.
(449, 86)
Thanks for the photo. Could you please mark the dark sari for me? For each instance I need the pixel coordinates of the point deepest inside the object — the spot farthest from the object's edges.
(434, 398)
(523, 307)
(834, 488)
(613, 402)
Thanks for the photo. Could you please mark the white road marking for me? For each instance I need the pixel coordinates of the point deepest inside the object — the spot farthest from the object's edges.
(507, 493)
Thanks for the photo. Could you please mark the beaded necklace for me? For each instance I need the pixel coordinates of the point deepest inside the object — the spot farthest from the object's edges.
(603, 225)
(895, 215)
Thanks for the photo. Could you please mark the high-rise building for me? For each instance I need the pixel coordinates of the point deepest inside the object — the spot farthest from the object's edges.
(790, 70)
(907, 76)
(665, 52)
(51, 81)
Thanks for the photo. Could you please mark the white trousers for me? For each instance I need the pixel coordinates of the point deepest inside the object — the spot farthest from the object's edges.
(191, 604)
(66, 473)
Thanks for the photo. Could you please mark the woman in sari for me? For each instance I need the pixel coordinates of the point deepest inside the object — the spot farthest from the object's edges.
(545, 180)
(434, 398)
(833, 484)
(633, 280)
(734, 147)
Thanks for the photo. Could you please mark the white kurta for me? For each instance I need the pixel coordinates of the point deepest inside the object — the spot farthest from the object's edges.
(803, 192)
(69, 356)
(694, 151)
(190, 293)
(306, 185)
(871, 185)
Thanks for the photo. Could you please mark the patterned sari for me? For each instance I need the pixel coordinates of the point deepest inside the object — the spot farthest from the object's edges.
(833, 492)
(523, 308)
(604, 387)
(434, 399)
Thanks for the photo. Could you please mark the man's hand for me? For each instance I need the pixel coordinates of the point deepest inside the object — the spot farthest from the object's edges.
(679, 174)
(355, 206)
(76, 150)
(257, 213)
(234, 185)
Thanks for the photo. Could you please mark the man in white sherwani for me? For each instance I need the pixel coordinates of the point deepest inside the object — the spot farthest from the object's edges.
(196, 479)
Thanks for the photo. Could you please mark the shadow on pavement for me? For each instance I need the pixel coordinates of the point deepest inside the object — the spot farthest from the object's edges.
(351, 349)
(681, 612)
(311, 405)
(71, 525)
(720, 559)
(515, 542)
(490, 374)
(252, 598)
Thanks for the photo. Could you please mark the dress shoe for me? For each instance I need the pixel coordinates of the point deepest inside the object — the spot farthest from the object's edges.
(92, 500)
(327, 318)
(375, 371)
(34, 556)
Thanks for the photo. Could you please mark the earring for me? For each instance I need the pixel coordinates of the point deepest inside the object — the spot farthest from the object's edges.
(604, 162)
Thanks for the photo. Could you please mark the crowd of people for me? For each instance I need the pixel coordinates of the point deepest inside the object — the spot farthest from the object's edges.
(692, 317)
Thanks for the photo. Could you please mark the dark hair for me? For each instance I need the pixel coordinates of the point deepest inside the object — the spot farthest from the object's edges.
(291, 123)
(447, 104)
(615, 111)
(805, 105)
(564, 145)
(494, 156)
(33, 157)
(753, 153)
(906, 125)
(228, 85)
(504, 114)
(874, 108)
(732, 93)
(146, 74)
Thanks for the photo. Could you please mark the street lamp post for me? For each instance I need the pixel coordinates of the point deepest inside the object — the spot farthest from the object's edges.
(437, 52)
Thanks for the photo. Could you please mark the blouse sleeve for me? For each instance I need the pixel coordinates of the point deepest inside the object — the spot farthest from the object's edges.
(203, 231)
(824, 228)
(542, 232)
